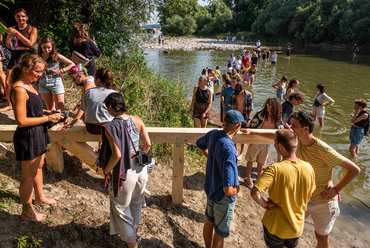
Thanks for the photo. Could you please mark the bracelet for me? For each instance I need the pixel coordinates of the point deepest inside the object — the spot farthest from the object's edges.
(337, 192)
(267, 205)
(61, 74)
(17, 33)
(48, 117)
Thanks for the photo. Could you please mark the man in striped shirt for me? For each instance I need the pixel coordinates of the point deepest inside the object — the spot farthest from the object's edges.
(323, 206)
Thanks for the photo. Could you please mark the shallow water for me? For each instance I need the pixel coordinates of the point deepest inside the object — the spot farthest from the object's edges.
(345, 79)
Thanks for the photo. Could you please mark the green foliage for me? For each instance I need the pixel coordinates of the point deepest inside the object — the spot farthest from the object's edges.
(169, 8)
(28, 241)
(115, 24)
(6, 198)
(158, 101)
(180, 26)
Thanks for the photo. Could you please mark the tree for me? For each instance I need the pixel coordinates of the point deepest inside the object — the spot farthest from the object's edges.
(114, 23)
(168, 8)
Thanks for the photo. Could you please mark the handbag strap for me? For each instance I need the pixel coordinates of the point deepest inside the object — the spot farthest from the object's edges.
(123, 121)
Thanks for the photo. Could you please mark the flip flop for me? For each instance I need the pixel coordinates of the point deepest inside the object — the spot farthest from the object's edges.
(249, 186)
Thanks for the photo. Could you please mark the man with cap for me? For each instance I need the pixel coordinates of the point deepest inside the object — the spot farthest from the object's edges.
(221, 181)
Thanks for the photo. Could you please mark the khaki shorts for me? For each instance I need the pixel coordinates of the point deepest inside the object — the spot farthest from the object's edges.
(323, 215)
(319, 111)
(259, 152)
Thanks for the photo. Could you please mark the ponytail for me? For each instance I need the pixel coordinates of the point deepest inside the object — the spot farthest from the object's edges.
(15, 75)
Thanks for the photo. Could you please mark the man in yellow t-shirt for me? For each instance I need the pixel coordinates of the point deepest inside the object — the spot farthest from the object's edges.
(323, 206)
(291, 183)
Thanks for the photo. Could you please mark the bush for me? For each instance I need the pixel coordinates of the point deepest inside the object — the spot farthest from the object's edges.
(176, 25)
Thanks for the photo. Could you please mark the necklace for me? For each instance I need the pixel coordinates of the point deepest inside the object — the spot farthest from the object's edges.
(21, 29)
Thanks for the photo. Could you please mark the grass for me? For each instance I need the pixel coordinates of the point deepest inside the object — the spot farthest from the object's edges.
(7, 198)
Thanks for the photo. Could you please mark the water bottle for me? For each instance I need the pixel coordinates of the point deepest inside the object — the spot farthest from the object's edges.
(150, 166)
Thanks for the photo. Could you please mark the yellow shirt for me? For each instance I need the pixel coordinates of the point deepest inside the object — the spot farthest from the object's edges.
(323, 159)
(218, 73)
(290, 183)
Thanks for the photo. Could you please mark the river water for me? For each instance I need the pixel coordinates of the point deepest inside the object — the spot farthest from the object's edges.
(345, 79)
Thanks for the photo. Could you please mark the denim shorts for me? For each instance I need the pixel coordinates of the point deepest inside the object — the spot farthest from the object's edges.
(273, 241)
(221, 213)
(280, 94)
(51, 84)
(356, 135)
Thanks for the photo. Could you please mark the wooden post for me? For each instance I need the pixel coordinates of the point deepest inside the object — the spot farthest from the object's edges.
(178, 172)
(83, 151)
(54, 157)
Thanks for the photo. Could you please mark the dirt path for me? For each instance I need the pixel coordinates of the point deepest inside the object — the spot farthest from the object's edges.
(81, 218)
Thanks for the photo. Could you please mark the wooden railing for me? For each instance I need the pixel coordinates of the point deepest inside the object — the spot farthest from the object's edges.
(75, 138)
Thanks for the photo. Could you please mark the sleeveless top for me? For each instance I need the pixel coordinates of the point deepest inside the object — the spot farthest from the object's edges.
(134, 134)
(25, 33)
(362, 123)
(51, 67)
(201, 96)
(31, 141)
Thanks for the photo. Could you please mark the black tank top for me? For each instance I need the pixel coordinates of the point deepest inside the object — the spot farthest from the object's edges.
(362, 123)
(201, 96)
(25, 32)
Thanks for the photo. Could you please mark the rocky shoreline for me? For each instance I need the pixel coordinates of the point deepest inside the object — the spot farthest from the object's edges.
(190, 44)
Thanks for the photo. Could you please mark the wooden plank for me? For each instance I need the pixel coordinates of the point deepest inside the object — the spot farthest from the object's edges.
(156, 134)
(178, 173)
(82, 151)
(54, 157)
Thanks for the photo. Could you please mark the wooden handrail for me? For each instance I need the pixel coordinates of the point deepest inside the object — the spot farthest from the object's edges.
(74, 139)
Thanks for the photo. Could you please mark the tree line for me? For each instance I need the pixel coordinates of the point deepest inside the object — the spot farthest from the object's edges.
(317, 21)
(114, 24)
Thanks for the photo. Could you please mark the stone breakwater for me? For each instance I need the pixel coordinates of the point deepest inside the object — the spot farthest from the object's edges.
(188, 44)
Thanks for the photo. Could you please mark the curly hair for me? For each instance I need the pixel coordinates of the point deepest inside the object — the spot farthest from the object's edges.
(80, 33)
(53, 54)
(29, 61)
(276, 110)
(106, 78)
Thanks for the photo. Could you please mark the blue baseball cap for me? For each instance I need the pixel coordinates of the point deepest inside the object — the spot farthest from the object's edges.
(230, 64)
(234, 116)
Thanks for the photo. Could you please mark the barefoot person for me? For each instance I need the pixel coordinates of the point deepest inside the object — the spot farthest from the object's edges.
(31, 136)
(19, 40)
(320, 101)
(127, 178)
(267, 118)
(323, 206)
(360, 126)
(221, 181)
(201, 103)
(291, 184)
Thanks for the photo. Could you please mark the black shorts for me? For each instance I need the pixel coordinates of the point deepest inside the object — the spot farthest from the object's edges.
(273, 241)
(15, 56)
(94, 129)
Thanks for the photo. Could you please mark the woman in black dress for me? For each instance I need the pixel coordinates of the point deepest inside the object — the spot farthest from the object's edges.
(31, 136)
(85, 46)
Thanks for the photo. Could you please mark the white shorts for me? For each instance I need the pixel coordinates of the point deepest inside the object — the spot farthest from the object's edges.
(323, 215)
(318, 111)
(259, 152)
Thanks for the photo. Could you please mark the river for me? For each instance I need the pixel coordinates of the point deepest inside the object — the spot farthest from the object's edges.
(345, 79)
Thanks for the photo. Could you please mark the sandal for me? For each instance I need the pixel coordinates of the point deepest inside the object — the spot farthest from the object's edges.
(249, 186)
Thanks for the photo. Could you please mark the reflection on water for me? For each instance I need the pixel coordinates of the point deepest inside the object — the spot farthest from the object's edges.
(345, 81)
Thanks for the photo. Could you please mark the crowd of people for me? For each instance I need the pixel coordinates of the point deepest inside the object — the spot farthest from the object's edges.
(300, 183)
(304, 168)
(35, 79)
